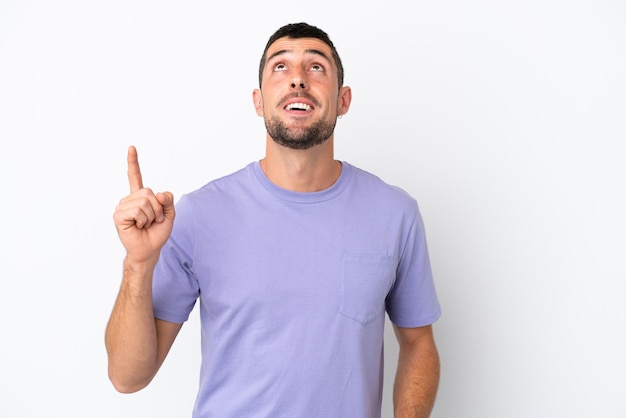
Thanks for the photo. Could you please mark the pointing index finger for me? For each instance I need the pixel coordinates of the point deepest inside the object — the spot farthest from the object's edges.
(134, 173)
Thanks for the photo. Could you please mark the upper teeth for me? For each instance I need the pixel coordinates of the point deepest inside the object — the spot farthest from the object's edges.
(299, 106)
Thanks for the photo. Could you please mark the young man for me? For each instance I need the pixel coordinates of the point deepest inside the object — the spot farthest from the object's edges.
(295, 260)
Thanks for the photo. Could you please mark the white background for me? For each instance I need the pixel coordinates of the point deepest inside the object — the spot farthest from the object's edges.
(505, 119)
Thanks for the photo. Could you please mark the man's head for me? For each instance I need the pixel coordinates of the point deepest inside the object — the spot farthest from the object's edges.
(297, 31)
(301, 92)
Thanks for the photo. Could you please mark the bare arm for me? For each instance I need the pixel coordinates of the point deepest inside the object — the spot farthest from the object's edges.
(417, 377)
(136, 342)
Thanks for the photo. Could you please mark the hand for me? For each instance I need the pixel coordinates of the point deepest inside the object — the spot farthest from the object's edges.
(143, 219)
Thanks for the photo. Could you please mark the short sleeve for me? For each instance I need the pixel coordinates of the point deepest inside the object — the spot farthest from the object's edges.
(412, 301)
(175, 288)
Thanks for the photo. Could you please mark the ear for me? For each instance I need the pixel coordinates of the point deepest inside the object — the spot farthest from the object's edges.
(257, 99)
(345, 98)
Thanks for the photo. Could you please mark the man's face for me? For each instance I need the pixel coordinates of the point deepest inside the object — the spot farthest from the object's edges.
(299, 96)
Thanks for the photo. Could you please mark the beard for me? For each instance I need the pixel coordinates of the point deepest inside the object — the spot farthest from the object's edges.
(297, 137)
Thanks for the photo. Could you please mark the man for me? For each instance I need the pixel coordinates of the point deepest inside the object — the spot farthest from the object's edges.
(295, 259)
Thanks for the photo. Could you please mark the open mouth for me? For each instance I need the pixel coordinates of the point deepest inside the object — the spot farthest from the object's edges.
(298, 107)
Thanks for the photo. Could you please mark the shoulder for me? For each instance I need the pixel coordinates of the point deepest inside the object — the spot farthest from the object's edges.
(230, 184)
(218, 196)
(375, 188)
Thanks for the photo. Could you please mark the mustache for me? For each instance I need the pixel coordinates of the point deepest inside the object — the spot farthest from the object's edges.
(296, 95)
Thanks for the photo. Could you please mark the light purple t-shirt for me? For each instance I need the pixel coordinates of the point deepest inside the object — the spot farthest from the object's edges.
(293, 289)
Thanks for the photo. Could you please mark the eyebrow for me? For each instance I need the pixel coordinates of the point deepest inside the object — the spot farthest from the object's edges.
(306, 51)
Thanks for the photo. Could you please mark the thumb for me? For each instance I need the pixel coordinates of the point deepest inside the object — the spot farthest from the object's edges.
(166, 199)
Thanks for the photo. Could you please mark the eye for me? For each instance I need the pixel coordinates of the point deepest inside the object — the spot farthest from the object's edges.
(317, 67)
(280, 67)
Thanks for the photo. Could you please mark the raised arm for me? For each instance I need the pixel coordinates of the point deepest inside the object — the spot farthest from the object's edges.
(417, 376)
(136, 343)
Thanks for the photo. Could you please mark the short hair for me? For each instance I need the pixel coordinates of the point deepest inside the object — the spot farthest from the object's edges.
(302, 30)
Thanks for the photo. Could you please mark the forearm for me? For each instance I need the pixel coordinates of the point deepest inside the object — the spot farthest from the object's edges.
(131, 337)
(417, 380)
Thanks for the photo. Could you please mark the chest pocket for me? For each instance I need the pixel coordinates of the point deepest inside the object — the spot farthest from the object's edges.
(366, 280)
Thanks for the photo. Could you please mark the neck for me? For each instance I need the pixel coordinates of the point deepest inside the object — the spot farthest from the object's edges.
(308, 170)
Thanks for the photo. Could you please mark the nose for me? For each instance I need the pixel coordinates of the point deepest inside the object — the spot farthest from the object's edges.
(298, 84)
